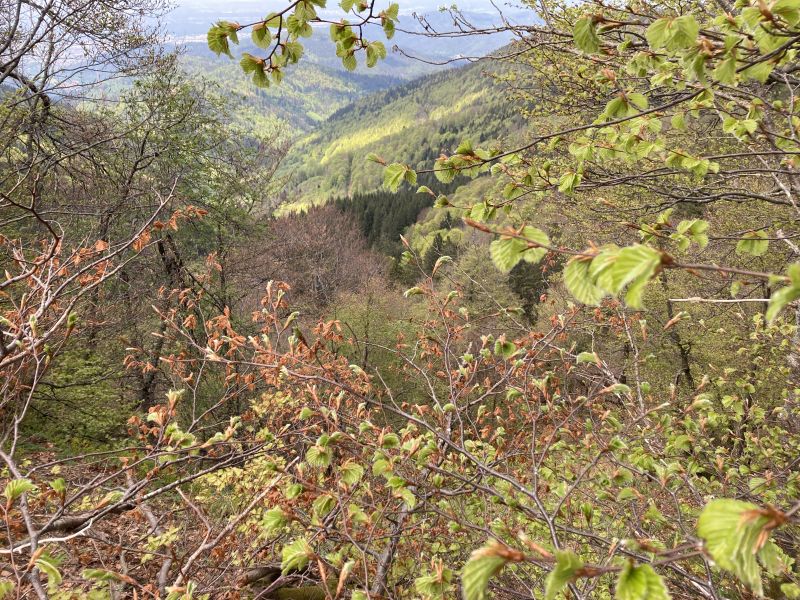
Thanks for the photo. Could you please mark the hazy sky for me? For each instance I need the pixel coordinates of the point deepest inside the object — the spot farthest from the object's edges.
(405, 5)
(192, 18)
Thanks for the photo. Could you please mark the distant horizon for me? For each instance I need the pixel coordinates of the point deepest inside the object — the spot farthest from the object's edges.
(483, 6)
(189, 20)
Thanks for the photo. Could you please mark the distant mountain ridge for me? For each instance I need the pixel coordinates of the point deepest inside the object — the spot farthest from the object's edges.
(319, 85)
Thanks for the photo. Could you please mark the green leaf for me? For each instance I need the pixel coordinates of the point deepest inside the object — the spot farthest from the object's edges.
(434, 586)
(250, 63)
(59, 485)
(100, 575)
(673, 34)
(621, 388)
(726, 70)
(657, 33)
(685, 30)
(774, 559)
(293, 51)
(615, 268)
(349, 62)
(579, 284)
(695, 230)
(759, 72)
(640, 583)
(390, 440)
(585, 35)
(634, 262)
(567, 564)
(260, 78)
(483, 564)
(48, 565)
(788, 10)
(504, 348)
(568, 182)
(678, 121)
(219, 35)
(16, 487)
(375, 52)
(261, 35)
(323, 505)
(755, 243)
(638, 100)
(790, 590)
(274, 520)
(295, 555)
(388, 28)
(319, 456)
(396, 173)
(351, 472)
(444, 170)
(6, 588)
(733, 533)
(537, 237)
(508, 251)
(780, 298)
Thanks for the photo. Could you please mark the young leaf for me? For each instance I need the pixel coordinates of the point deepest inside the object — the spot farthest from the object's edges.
(15, 488)
(755, 243)
(375, 52)
(219, 35)
(261, 35)
(726, 70)
(568, 182)
(734, 532)
(394, 175)
(274, 520)
(48, 565)
(579, 284)
(351, 472)
(585, 35)
(506, 253)
(785, 295)
(587, 357)
(295, 556)
(6, 588)
(349, 61)
(684, 32)
(640, 583)
(567, 564)
(434, 586)
(100, 575)
(483, 564)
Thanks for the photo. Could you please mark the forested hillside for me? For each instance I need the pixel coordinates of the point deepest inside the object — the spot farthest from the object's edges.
(304, 102)
(415, 122)
(294, 316)
(320, 86)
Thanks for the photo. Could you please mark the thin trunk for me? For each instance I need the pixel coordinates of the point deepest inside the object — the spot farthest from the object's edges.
(683, 349)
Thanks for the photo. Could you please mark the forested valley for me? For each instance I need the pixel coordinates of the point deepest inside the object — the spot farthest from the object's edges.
(375, 301)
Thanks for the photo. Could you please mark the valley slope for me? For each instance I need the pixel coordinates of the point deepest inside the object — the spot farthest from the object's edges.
(319, 85)
(412, 123)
